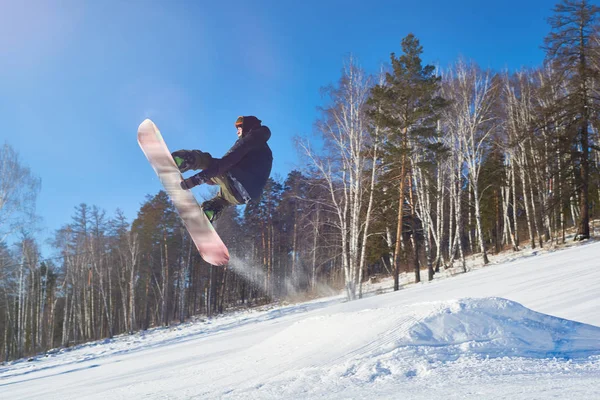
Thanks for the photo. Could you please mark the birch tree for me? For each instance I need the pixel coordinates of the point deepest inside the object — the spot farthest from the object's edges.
(18, 192)
(472, 95)
(345, 133)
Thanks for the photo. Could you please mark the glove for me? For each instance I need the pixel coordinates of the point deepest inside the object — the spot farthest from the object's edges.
(193, 181)
(184, 159)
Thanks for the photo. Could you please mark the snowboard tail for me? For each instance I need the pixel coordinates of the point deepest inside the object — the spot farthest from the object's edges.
(207, 241)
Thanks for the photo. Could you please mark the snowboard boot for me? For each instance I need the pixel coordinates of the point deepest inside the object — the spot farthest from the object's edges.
(213, 208)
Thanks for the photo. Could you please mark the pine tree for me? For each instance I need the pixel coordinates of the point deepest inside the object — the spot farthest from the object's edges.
(405, 107)
(570, 49)
(158, 227)
(292, 213)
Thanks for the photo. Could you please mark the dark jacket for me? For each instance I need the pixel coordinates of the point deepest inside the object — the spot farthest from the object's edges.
(249, 160)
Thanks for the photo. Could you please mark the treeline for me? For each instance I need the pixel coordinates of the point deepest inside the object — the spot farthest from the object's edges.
(419, 167)
(113, 277)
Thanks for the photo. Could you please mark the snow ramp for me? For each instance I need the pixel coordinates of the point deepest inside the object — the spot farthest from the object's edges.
(441, 331)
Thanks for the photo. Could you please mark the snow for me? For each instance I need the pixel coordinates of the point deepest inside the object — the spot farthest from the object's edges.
(525, 328)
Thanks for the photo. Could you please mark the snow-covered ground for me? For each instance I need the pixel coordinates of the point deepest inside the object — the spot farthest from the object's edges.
(528, 328)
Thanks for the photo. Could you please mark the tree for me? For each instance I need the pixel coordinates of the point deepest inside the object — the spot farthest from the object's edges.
(293, 211)
(570, 49)
(18, 192)
(406, 107)
(158, 227)
(471, 120)
(344, 130)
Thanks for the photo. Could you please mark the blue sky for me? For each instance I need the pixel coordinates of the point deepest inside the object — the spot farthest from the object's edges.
(77, 77)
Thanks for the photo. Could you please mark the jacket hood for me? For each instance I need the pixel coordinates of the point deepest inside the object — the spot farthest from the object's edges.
(261, 133)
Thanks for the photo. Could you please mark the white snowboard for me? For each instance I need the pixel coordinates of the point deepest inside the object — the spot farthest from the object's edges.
(209, 244)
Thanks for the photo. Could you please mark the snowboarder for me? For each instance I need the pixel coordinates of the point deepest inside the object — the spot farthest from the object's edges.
(242, 172)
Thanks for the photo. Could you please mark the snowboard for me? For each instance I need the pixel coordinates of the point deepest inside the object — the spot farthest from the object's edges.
(207, 241)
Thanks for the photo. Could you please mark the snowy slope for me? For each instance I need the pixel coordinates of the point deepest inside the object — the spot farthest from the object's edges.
(527, 329)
